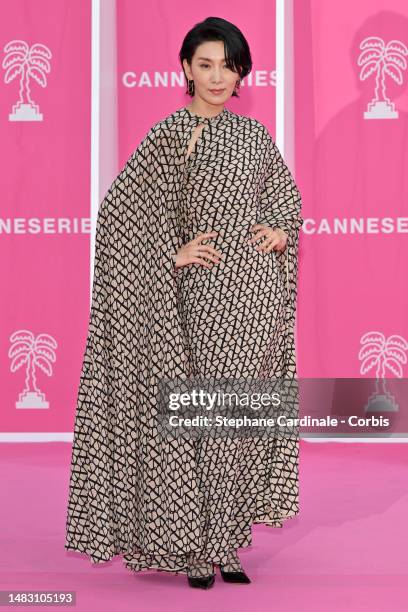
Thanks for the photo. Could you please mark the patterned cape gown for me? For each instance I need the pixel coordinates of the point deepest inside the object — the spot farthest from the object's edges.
(154, 499)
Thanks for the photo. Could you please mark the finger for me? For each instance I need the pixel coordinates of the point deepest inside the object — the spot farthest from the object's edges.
(212, 257)
(207, 248)
(271, 240)
(258, 235)
(256, 226)
(275, 239)
(269, 244)
(269, 249)
(204, 236)
(282, 244)
(255, 238)
(266, 238)
(200, 261)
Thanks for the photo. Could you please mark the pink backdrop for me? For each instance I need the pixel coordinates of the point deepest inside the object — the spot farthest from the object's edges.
(44, 223)
(352, 166)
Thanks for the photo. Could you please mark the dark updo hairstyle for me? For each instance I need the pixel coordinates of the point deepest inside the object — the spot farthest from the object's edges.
(236, 49)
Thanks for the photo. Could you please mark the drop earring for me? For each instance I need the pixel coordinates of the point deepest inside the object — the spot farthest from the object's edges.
(190, 86)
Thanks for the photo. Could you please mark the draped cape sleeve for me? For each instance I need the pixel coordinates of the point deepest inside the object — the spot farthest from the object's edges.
(279, 206)
(134, 338)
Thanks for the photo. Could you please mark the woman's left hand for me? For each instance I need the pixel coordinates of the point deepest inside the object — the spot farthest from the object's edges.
(275, 239)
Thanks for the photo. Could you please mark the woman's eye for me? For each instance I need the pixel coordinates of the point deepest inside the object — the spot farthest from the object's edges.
(206, 65)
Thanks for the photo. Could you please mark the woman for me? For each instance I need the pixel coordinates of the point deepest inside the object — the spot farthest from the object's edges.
(195, 276)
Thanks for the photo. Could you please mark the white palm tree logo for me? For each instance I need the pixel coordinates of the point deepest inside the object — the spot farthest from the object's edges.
(382, 353)
(24, 61)
(31, 351)
(383, 59)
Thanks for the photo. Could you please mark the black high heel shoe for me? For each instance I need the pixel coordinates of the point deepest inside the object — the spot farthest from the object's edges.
(240, 576)
(201, 582)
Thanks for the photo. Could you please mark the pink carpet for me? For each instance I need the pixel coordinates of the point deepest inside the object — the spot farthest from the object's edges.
(346, 551)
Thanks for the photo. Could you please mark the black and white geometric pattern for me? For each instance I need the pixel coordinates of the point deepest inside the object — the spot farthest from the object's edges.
(159, 500)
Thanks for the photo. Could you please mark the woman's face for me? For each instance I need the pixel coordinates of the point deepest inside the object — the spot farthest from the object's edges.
(209, 73)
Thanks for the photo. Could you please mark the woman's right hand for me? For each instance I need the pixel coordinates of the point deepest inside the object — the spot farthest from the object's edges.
(194, 252)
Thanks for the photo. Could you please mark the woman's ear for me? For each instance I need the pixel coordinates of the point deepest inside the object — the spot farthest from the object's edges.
(186, 68)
